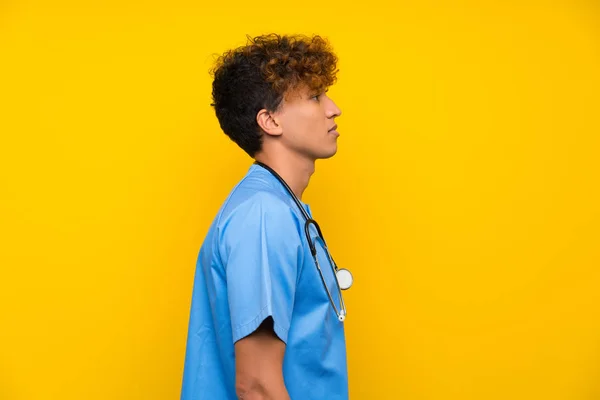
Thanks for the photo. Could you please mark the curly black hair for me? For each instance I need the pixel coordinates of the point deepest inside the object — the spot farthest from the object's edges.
(259, 74)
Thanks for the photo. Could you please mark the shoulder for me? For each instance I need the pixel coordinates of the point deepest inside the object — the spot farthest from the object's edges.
(261, 226)
(251, 210)
(259, 193)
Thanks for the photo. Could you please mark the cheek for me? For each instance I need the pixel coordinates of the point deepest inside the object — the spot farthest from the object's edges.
(315, 120)
(305, 122)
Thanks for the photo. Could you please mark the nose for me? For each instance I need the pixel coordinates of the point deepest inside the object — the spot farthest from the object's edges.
(333, 110)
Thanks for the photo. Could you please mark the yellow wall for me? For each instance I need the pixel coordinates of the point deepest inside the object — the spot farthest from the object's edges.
(465, 194)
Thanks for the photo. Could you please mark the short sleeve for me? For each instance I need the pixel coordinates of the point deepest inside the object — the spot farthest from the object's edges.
(261, 248)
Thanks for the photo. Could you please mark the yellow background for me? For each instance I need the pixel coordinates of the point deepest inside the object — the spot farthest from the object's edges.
(464, 196)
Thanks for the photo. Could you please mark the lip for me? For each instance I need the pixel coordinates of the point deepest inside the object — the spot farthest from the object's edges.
(334, 129)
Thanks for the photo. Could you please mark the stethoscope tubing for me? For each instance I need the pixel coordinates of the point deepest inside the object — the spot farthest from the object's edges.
(341, 313)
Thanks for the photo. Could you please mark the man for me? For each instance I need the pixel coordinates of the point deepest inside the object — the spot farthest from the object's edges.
(262, 324)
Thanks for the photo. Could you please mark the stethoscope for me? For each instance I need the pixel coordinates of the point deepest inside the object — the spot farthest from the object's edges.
(343, 276)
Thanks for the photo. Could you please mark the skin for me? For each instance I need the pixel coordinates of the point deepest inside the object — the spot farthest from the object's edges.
(258, 365)
(298, 134)
(294, 137)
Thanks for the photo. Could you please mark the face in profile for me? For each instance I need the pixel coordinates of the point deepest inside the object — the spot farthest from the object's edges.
(307, 121)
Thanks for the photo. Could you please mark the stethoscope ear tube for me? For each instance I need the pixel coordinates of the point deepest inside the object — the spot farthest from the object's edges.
(307, 224)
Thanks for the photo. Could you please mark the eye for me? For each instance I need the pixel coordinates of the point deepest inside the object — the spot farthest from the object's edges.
(316, 96)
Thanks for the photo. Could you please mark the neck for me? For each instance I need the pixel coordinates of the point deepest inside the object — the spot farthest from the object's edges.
(293, 169)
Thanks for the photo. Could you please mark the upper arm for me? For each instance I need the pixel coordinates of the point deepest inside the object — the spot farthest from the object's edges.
(260, 247)
(259, 363)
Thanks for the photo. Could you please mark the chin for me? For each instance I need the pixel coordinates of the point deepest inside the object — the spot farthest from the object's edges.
(329, 154)
(322, 153)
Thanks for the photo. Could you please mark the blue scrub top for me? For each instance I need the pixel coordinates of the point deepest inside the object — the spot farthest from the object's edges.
(255, 262)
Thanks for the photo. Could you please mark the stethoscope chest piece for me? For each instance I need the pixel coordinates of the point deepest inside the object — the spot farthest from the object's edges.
(344, 278)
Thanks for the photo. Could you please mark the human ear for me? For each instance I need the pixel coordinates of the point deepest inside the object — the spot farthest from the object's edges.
(268, 123)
